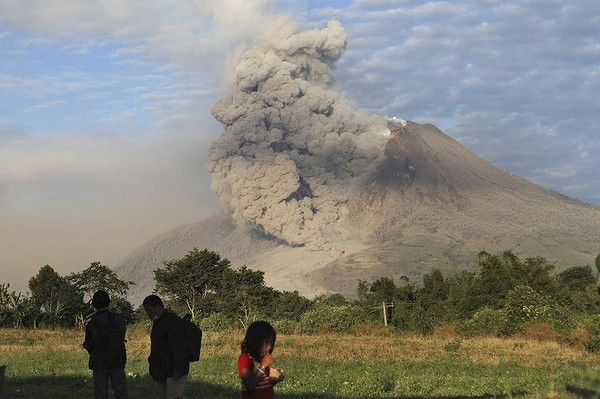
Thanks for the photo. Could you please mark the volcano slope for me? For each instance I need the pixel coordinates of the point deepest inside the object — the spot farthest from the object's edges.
(430, 203)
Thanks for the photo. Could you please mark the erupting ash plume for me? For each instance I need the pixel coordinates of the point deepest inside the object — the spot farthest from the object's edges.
(293, 148)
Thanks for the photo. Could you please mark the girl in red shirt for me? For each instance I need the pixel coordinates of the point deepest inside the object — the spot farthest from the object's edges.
(254, 363)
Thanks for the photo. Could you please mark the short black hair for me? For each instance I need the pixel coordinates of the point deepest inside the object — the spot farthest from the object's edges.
(153, 300)
(100, 300)
(258, 332)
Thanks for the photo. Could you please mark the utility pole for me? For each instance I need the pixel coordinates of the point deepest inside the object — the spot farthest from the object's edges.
(384, 308)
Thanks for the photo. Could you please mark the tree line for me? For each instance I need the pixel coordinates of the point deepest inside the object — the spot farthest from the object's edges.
(54, 300)
(501, 296)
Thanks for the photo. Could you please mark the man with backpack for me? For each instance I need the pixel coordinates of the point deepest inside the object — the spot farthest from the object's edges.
(174, 343)
(105, 343)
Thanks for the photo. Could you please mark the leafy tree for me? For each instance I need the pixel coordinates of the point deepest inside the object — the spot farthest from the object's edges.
(53, 295)
(577, 288)
(432, 296)
(290, 305)
(501, 273)
(462, 299)
(123, 307)
(192, 280)
(536, 272)
(496, 278)
(577, 278)
(244, 296)
(17, 310)
(99, 277)
(331, 300)
(383, 289)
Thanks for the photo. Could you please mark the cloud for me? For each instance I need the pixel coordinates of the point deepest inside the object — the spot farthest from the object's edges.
(193, 36)
(102, 154)
(515, 81)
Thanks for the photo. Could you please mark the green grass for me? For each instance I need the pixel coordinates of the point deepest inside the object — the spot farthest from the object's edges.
(52, 364)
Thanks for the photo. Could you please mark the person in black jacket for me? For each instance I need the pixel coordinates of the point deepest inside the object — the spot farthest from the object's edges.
(168, 360)
(105, 342)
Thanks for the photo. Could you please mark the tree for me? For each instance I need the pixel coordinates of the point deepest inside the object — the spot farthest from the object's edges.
(462, 301)
(432, 296)
(383, 289)
(331, 300)
(244, 296)
(99, 277)
(501, 273)
(53, 295)
(577, 289)
(577, 278)
(290, 306)
(16, 310)
(192, 280)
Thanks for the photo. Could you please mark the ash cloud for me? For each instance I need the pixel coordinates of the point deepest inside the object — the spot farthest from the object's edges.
(293, 148)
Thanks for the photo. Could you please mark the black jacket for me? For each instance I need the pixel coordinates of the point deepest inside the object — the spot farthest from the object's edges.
(168, 357)
(105, 340)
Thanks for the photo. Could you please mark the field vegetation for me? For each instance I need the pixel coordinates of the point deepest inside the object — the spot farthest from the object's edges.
(375, 364)
(508, 327)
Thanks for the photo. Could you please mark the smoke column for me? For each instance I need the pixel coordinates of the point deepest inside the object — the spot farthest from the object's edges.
(293, 148)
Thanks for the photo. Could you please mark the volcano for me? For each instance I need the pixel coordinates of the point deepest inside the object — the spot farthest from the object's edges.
(431, 203)
(320, 195)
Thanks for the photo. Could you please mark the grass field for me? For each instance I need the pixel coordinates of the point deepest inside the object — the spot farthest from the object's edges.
(51, 364)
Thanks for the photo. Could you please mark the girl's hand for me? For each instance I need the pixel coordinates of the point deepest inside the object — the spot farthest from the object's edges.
(276, 375)
(266, 361)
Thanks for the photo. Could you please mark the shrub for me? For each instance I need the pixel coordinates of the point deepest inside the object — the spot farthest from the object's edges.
(589, 322)
(419, 320)
(445, 332)
(453, 346)
(285, 326)
(579, 338)
(594, 344)
(216, 322)
(539, 332)
(327, 318)
(524, 305)
(486, 321)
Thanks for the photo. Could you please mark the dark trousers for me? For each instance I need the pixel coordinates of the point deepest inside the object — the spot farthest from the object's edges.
(117, 380)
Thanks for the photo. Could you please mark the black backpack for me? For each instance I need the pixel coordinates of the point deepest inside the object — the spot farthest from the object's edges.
(193, 338)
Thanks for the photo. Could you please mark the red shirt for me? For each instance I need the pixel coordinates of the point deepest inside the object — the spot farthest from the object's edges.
(264, 388)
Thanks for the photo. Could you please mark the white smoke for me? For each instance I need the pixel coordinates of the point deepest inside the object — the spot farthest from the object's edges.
(293, 147)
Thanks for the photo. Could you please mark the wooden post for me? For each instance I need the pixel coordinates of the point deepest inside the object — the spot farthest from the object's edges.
(384, 314)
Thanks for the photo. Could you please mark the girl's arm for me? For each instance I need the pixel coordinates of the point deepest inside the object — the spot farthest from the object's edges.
(249, 379)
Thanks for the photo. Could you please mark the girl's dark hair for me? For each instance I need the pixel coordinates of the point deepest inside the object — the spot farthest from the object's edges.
(258, 332)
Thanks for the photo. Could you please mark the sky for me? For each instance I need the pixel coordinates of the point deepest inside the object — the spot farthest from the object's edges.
(105, 105)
